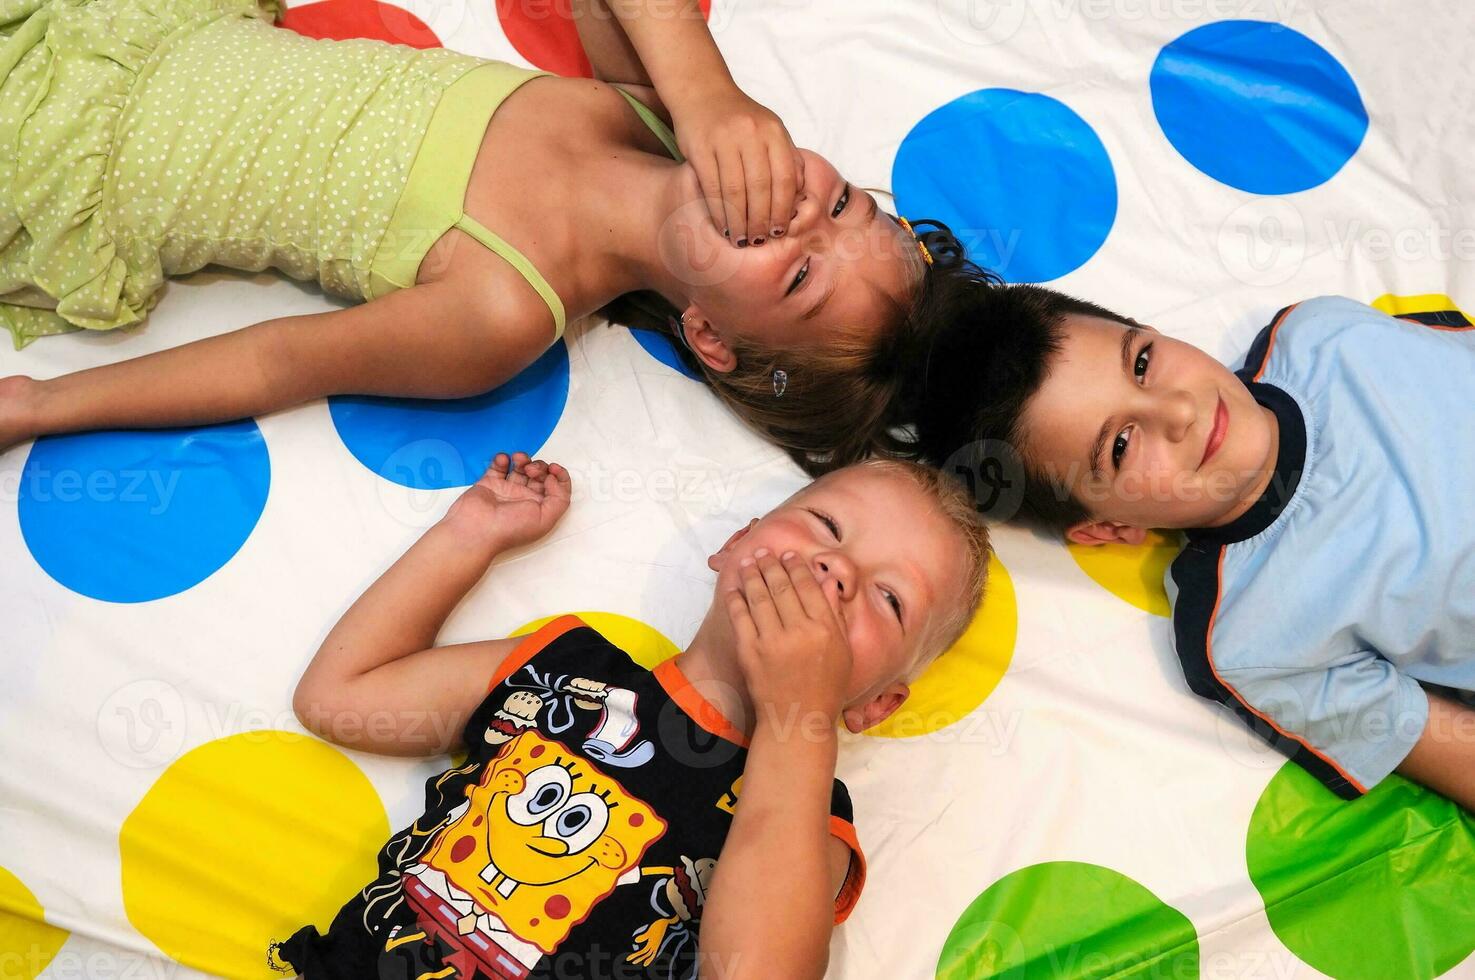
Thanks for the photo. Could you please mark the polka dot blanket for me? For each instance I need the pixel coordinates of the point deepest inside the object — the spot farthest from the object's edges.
(1052, 802)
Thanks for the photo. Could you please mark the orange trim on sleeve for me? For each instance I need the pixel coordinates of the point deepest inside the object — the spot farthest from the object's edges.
(1209, 655)
(1433, 326)
(532, 645)
(855, 879)
(1269, 346)
(702, 711)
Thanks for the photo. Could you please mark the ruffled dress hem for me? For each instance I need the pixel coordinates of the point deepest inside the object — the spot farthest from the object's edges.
(54, 240)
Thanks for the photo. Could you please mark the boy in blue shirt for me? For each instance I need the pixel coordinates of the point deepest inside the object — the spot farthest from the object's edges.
(1327, 590)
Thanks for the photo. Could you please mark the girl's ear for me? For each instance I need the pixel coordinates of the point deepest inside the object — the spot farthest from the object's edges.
(705, 342)
(1105, 532)
(715, 562)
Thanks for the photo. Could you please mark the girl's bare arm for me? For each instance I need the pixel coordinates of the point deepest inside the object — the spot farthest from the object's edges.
(744, 158)
(431, 341)
(608, 47)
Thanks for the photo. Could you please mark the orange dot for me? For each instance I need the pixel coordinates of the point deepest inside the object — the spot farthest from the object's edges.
(341, 20)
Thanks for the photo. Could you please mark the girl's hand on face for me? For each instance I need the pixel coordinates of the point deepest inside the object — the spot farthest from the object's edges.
(791, 641)
(745, 161)
(516, 501)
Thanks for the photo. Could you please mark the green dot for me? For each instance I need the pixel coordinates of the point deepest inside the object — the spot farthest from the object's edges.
(1069, 920)
(1375, 888)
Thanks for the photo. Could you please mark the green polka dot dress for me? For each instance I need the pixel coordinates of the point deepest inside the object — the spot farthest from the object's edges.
(141, 139)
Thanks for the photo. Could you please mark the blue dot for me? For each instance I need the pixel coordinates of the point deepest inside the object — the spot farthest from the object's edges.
(1021, 179)
(1257, 106)
(663, 348)
(140, 515)
(433, 444)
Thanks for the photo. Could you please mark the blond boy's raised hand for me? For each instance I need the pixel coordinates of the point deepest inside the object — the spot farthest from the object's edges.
(516, 501)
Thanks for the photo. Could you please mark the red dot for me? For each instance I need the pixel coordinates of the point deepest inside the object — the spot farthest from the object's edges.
(477, 821)
(344, 19)
(534, 921)
(536, 751)
(557, 907)
(636, 819)
(461, 850)
(543, 32)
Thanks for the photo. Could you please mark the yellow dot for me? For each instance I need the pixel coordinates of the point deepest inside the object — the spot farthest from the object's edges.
(244, 840)
(646, 645)
(27, 943)
(961, 679)
(1425, 303)
(1132, 572)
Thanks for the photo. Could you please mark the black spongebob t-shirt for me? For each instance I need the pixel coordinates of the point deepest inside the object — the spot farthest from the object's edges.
(577, 840)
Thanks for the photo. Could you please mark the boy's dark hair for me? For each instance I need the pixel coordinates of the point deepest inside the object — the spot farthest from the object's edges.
(840, 405)
(968, 392)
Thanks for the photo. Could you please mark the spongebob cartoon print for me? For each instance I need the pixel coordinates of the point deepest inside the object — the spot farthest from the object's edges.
(614, 739)
(538, 843)
(677, 899)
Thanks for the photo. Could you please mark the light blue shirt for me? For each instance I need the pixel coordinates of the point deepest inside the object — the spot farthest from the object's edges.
(1317, 613)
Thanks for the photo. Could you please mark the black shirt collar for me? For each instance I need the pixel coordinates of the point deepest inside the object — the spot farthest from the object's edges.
(1290, 462)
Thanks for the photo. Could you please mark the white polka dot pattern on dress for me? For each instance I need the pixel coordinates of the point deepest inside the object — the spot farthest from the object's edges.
(154, 137)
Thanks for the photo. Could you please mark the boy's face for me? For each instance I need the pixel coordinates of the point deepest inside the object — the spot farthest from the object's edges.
(1147, 432)
(889, 565)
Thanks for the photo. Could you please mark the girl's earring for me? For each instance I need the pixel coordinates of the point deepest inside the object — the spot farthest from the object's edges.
(678, 327)
(780, 382)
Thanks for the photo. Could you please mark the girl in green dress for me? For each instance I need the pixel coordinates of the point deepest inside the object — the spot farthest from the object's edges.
(141, 139)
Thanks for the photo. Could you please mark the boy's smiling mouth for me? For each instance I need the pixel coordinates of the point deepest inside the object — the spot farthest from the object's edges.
(1216, 434)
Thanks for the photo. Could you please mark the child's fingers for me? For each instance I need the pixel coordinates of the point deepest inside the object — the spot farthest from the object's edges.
(737, 614)
(760, 602)
(536, 473)
(785, 600)
(710, 181)
(758, 176)
(517, 475)
(556, 483)
(733, 189)
(785, 186)
(807, 589)
(496, 469)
